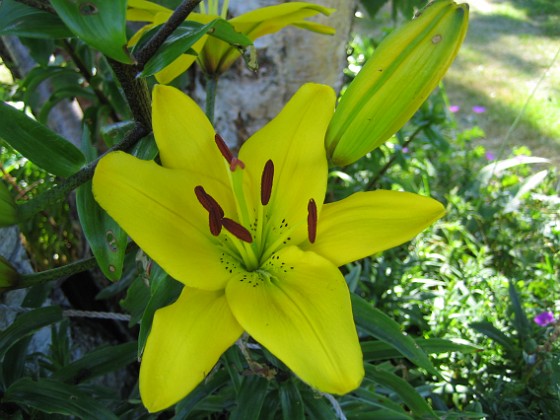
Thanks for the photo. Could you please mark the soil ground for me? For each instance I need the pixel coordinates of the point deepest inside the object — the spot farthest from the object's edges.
(510, 65)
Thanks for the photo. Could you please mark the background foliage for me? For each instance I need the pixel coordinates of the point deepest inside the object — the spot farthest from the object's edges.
(465, 291)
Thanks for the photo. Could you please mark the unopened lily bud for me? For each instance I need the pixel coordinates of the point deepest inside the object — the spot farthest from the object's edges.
(8, 208)
(9, 277)
(403, 71)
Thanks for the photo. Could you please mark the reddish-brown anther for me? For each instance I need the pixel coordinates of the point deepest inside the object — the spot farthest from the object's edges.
(215, 222)
(266, 182)
(224, 149)
(311, 220)
(237, 230)
(208, 201)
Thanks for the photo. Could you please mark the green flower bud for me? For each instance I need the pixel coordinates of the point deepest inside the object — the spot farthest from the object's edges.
(9, 277)
(403, 71)
(8, 208)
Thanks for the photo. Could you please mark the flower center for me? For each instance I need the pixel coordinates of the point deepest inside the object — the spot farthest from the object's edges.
(253, 239)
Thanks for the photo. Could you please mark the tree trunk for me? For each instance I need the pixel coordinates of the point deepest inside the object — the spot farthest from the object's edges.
(287, 59)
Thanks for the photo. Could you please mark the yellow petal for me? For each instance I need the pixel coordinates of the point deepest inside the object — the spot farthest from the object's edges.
(303, 316)
(294, 141)
(369, 222)
(186, 340)
(267, 20)
(147, 5)
(184, 135)
(158, 208)
(218, 55)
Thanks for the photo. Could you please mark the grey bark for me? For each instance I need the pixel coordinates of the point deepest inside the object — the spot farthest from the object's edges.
(287, 59)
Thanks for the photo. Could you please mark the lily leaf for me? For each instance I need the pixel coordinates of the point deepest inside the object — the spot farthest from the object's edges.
(183, 39)
(164, 290)
(53, 397)
(380, 326)
(419, 407)
(99, 23)
(39, 144)
(379, 350)
(20, 20)
(26, 324)
(106, 238)
(250, 398)
(98, 362)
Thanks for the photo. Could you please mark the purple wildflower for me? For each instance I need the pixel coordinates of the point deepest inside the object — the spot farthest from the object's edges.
(454, 108)
(544, 318)
(478, 109)
(490, 156)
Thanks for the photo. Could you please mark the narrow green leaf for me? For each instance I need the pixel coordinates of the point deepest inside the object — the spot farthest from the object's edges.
(53, 397)
(380, 326)
(495, 334)
(317, 407)
(136, 300)
(57, 76)
(165, 290)
(291, 401)
(105, 237)
(179, 42)
(20, 20)
(39, 144)
(225, 31)
(213, 382)
(520, 321)
(68, 92)
(26, 324)
(184, 37)
(409, 396)
(250, 398)
(379, 350)
(98, 362)
(387, 408)
(99, 23)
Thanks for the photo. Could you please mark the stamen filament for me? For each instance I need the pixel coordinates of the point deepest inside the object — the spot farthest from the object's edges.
(271, 249)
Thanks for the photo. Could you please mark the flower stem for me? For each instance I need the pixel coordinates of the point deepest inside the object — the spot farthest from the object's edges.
(136, 92)
(211, 88)
(59, 192)
(67, 270)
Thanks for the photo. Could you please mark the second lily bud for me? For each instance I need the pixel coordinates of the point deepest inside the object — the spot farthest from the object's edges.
(404, 69)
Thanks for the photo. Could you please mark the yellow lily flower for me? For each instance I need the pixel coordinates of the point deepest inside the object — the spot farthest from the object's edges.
(252, 242)
(216, 56)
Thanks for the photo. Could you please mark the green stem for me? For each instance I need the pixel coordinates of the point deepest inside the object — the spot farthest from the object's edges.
(59, 192)
(136, 92)
(211, 88)
(67, 270)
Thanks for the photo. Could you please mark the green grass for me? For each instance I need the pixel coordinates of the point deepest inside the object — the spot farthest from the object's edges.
(509, 65)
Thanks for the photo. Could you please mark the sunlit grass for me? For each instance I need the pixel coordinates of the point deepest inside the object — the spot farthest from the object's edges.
(509, 65)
